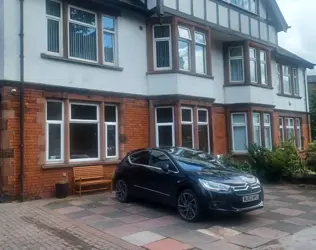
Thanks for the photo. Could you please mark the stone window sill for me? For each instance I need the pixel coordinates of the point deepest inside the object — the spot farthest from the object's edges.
(247, 84)
(289, 96)
(158, 72)
(77, 164)
(73, 61)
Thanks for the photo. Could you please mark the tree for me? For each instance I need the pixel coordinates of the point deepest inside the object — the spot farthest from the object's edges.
(312, 109)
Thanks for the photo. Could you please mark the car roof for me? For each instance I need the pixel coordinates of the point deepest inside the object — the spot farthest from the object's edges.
(163, 149)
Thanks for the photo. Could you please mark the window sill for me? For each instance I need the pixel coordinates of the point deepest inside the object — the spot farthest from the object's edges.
(79, 164)
(158, 72)
(289, 96)
(67, 60)
(247, 84)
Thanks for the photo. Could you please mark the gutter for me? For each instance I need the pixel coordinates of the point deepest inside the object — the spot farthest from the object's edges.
(22, 98)
(306, 106)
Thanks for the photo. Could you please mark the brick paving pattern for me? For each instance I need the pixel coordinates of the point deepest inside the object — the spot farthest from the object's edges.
(100, 222)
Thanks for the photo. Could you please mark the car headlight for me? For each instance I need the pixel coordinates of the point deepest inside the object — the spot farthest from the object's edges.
(257, 181)
(214, 186)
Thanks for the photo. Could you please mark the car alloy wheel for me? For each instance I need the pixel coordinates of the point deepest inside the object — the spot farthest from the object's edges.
(188, 206)
(121, 191)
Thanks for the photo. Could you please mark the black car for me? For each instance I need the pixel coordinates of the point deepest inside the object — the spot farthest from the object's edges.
(191, 180)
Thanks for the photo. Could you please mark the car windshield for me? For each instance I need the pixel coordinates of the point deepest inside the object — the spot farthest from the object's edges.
(193, 160)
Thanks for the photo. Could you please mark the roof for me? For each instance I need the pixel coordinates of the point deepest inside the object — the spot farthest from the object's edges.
(279, 18)
(284, 54)
(311, 79)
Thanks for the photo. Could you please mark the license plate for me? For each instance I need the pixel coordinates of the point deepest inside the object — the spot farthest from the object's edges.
(250, 198)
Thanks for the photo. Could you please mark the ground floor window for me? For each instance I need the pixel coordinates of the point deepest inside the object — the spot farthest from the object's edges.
(267, 131)
(187, 127)
(165, 127)
(291, 129)
(239, 132)
(203, 127)
(111, 131)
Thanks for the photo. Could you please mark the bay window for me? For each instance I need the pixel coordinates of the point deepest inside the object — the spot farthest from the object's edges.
(239, 132)
(187, 127)
(203, 128)
(236, 64)
(256, 129)
(111, 131)
(281, 129)
(200, 53)
(253, 65)
(162, 46)
(267, 131)
(290, 131)
(53, 16)
(84, 131)
(54, 131)
(298, 133)
(263, 67)
(184, 48)
(165, 127)
(109, 39)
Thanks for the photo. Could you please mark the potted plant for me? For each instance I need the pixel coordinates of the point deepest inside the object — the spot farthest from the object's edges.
(62, 187)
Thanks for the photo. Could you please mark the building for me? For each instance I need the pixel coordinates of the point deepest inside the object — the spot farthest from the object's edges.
(101, 78)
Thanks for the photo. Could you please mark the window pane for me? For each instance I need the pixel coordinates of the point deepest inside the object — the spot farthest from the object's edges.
(184, 52)
(184, 33)
(253, 6)
(236, 51)
(82, 16)
(54, 111)
(83, 112)
(263, 73)
(266, 118)
(252, 53)
(187, 139)
(257, 135)
(239, 118)
(246, 4)
(53, 35)
(110, 113)
(186, 115)
(202, 116)
(236, 70)
(140, 158)
(267, 137)
(164, 115)
(200, 38)
(165, 136)
(161, 31)
(108, 46)
(162, 54)
(240, 141)
(200, 59)
(54, 141)
(290, 133)
(253, 71)
(52, 8)
(111, 140)
(83, 141)
(287, 85)
(108, 23)
(256, 118)
(203, 138)
(82, 42)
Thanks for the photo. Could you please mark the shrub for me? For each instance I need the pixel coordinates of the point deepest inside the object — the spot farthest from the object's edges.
(311, 156)
(242, 165)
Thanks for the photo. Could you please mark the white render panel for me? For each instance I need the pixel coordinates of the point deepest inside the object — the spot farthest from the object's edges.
(151, 4)
(262, 9)
(272, 35)
(185, 6)
(244, 24)
(171, 4)
(223, 16)
(211, 12)
(263, 31)
(237, 94)
(198, 8)
(162, 84)
(234, 20)
(254, 27)
(1, 39)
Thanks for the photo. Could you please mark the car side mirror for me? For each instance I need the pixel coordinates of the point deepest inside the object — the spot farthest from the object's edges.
(165, 167)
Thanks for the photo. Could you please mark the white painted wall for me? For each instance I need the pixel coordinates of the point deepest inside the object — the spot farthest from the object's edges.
(198, 8)
(171, 4)
(131, 44)
(185, 6)
(1, 39)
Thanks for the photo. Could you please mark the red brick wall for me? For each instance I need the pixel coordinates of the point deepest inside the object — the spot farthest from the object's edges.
(40, 182)
(220, 140)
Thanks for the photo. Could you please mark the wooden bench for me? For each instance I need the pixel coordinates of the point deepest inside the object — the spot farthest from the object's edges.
(85, 179)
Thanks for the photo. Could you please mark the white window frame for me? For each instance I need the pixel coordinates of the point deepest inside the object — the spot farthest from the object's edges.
(188, 122)
(60, 21)
(114, 33)
(299, 133)
(236, 58)
(157, 125)
(242, 5)
(80, 121)
(267, 125)
(86, 25)
(257, 125)
(62, 136)
(207, 123)
(189, 41)
(265, 63)
(290, 78)
(287, 121)
(281, 127)
(204, 46)
(296, 86)
(106, 124)
(155, 40)
(239, 125)
(255, 60)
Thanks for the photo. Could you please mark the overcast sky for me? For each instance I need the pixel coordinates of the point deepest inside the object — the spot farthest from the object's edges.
(301, 37)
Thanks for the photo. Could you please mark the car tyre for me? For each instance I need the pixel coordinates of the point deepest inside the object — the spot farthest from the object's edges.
(188, 206)
(121, 191)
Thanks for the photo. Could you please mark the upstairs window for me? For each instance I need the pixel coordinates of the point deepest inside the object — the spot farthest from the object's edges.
(263, 67)
(200, 53)
(295, 82)
(287, 83)
(162, 47)
(249, 5)
(236, 64)
(279, 78)
(109, 40)
(82, 34)
(253, 65)
(184, 48)
(53, 15)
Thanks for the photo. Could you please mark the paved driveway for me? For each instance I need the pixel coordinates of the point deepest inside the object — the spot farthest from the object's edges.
(288, 210)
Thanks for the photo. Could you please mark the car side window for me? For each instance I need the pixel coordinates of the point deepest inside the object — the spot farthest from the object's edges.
(141, 158)
(159, 158)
